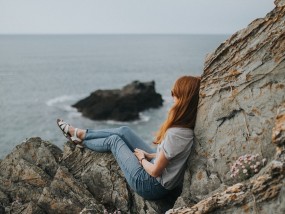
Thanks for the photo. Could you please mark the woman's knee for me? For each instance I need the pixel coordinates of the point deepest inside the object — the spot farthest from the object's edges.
(113, 140)
(124, 129)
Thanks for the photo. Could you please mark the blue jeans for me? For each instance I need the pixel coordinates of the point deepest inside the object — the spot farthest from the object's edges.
(122, 142)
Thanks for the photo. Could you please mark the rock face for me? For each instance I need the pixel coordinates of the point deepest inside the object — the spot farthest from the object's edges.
(37, 177)
(120, 105)
(242, 95)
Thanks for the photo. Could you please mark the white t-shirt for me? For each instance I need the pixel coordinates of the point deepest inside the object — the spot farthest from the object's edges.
(176, 147)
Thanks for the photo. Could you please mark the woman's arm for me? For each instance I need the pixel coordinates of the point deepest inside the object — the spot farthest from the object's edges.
(156, 169)
(148, 156)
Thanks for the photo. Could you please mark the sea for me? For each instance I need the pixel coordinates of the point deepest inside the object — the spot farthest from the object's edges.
(41, 76)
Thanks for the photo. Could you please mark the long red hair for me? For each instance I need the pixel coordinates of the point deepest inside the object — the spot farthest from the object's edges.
(183, 112)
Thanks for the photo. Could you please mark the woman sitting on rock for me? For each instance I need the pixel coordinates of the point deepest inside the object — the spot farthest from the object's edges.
(151, 174)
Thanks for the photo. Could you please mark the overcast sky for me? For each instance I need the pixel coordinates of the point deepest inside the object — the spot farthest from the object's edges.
(129, 16)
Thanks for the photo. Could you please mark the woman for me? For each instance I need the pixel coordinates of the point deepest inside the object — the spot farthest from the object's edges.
(151, 174)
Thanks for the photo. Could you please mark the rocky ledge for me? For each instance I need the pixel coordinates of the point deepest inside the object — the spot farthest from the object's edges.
(37, 177)
(120, 105)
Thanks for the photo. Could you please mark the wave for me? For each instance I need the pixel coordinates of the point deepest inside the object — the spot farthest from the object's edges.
(63, 104)
(60, 99)
(144, 117)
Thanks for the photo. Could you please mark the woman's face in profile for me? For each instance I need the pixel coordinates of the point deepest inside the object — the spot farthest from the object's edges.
(175, 99)
(173, 96)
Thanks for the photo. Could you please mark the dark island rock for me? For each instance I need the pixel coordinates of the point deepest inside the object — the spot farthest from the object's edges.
(120, 105)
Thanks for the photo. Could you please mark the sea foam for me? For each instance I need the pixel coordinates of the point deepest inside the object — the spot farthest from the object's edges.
(60, 99)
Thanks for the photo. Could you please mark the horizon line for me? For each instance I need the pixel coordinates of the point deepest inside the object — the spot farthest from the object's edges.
(95, 34)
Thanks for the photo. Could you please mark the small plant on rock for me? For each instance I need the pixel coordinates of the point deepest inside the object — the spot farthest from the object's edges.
(246, 166)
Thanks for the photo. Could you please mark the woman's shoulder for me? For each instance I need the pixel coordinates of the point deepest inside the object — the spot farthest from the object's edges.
(180, 131)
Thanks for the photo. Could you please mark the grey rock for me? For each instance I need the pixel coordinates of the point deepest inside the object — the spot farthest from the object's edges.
(279, 3)
(278, 132)
(102, 176)
(27, 208)
(67, 195)
(241, 111)
(241, 89)
(37, 177)
(263, 193)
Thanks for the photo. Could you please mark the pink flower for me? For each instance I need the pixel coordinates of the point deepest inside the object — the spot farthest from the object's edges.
(246, 165)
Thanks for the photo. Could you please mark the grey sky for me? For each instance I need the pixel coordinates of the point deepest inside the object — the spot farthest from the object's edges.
(129, 16)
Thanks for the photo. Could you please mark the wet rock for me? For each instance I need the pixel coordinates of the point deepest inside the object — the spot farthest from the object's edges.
(120, 105)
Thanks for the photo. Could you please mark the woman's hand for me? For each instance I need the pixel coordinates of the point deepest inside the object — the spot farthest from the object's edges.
(148, 156)
(140, 154)
(155, 169)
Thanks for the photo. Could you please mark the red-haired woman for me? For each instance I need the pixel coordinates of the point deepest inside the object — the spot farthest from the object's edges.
(152, 174)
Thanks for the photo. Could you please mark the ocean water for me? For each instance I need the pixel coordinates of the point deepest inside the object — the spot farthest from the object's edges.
(42, 76)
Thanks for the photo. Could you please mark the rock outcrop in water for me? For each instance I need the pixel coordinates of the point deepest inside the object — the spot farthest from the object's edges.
(120, 105)
(241, 111)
